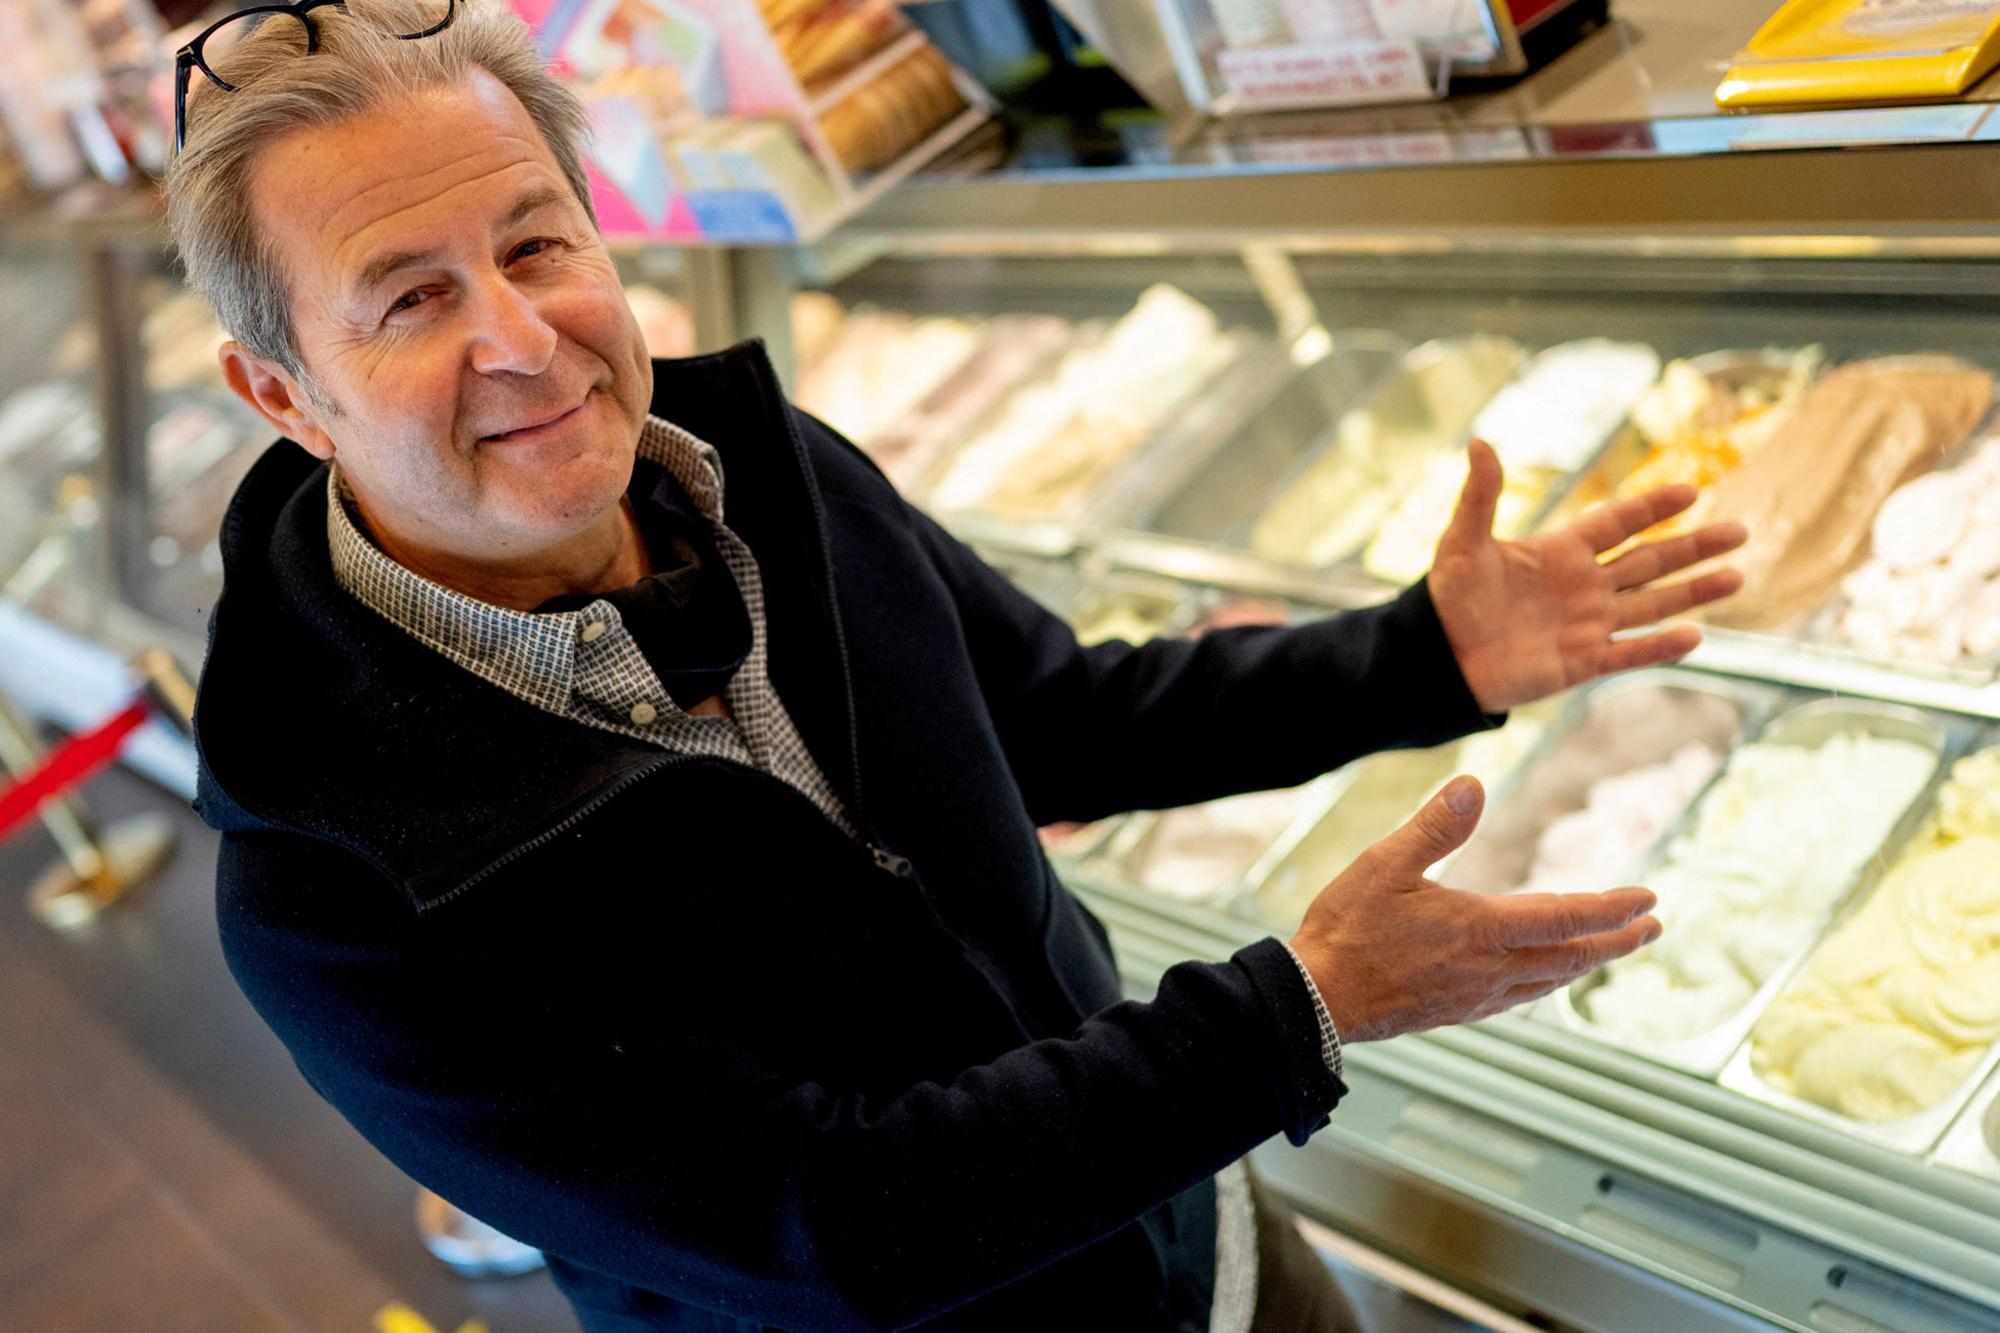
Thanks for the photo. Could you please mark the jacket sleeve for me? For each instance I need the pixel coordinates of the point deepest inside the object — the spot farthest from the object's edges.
(1093, 731)
(600, 1095)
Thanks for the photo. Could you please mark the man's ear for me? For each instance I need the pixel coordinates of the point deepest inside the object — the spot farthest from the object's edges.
(277, 397)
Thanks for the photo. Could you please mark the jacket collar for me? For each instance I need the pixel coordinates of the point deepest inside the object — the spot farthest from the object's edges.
(315, 716)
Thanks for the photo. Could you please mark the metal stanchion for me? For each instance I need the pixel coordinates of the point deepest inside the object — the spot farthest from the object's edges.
(97, 868)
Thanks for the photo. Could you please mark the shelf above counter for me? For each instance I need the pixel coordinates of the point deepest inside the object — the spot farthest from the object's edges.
(1616, 144)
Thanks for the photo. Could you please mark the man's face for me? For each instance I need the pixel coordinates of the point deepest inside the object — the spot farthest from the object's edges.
(487, 380)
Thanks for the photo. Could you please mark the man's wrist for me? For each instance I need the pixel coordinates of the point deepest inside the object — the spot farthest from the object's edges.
(1329, 1036)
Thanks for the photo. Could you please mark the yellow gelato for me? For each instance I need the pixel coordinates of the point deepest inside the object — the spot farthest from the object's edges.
(1380, 451)
(1896, 1008)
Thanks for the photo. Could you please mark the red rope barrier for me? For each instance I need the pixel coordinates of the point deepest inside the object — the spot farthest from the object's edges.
(69, 764)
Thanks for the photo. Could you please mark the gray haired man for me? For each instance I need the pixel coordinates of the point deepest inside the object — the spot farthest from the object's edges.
(726, 794)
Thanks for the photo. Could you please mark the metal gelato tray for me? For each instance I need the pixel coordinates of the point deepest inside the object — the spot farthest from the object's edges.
(1379, 793)
(1914, 1134)
(1405, 409)
(1808, 724)
(1547, 785)
(1237, 359)
(1123, 858)
(1212, 493)
(1972, 1145)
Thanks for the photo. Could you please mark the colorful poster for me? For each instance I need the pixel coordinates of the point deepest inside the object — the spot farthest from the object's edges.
(666, 82)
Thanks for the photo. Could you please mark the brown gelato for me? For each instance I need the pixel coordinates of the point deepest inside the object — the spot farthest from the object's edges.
(1808, 496)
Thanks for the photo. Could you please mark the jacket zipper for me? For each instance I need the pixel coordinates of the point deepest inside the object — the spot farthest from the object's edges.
(599, 799)
(885, 860)
(888, 861)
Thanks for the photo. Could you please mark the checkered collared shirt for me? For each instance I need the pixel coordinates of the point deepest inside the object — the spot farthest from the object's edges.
(585, 665)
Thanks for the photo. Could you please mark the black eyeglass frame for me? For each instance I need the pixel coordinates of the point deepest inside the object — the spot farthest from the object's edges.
(191, 56)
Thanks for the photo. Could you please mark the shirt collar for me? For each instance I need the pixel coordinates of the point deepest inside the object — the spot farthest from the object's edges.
(532, 656)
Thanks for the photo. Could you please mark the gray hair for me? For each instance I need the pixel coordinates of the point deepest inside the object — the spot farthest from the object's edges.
(357, 68)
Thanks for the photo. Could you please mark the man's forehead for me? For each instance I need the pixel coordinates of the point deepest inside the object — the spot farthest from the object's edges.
(396, 177)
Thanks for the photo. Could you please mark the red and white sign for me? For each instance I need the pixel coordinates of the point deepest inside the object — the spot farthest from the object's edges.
(1332, 75)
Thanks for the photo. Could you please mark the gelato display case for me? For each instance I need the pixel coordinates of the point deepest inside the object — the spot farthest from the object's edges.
(1784, 1113)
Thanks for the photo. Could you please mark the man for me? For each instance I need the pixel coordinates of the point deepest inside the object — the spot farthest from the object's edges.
(628, 699)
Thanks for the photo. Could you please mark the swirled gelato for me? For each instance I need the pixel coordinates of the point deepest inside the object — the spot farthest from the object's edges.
(1897, 1007)
(1602, 792)
(1930, 590)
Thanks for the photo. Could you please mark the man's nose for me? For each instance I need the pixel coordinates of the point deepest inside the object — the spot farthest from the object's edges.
(510, 336)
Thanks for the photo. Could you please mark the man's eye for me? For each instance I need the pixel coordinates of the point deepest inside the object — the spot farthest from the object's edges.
(406, 301)
(529, 249)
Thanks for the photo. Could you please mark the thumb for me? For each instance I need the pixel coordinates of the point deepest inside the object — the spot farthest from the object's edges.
(1440, 828)
(1472, 521)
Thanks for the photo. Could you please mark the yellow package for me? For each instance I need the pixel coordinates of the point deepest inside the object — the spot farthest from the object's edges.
(1865, 51)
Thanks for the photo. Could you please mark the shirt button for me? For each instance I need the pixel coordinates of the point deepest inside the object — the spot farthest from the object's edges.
(594, 630)
(643, 714)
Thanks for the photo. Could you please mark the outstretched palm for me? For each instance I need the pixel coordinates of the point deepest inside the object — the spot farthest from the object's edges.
(1529, 618)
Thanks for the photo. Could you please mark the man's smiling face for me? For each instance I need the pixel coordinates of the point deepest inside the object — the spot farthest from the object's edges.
(484, 381)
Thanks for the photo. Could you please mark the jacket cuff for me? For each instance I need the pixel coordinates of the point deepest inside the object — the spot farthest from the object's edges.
(1306, 1088)
(1424, 656)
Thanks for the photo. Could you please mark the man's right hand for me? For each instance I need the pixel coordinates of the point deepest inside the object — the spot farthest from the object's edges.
(1392, 952)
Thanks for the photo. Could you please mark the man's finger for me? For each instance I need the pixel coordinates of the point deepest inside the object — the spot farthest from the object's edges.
(1534, 920)
(1472, 521)
(1669, 645)
(1559, 964)
(1643, 564)
(1608, 525)
(1437, 830)
(1647, 606)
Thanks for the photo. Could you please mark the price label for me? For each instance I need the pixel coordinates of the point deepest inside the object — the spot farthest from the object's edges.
(1333, 75)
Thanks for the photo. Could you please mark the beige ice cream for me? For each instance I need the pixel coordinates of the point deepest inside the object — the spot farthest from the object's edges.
(1380, 451)
(1776, 842)
(1897, 1007)
(1809, 494)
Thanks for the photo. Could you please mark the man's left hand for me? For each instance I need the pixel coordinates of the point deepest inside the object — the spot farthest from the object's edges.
(1529, 618)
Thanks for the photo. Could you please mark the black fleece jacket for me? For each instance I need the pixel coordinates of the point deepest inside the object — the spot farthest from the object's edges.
(728, 1066)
